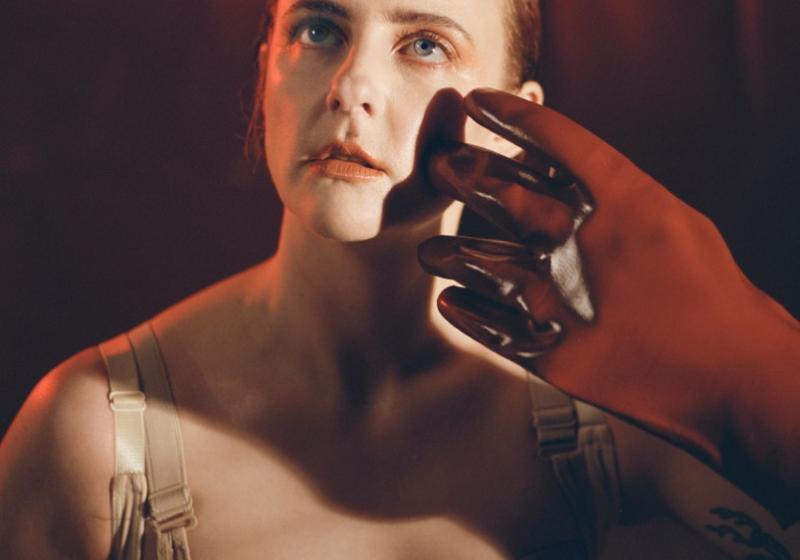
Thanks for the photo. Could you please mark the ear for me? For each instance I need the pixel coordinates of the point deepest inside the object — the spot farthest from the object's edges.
(532, 91)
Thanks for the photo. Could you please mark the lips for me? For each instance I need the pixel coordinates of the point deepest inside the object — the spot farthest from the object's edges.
(346, 160)
(347, 170)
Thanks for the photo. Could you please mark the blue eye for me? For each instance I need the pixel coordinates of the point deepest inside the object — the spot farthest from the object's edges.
(316, 34)
(429, 50)
(424, 47)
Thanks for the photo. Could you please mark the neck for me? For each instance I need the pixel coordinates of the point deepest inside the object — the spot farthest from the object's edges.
(356, 312)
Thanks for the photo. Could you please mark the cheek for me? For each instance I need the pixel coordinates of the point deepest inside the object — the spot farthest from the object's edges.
(408, 103)
(414, 95)
(477, 135)
(401, 138)
(280, 135)
(283, 110)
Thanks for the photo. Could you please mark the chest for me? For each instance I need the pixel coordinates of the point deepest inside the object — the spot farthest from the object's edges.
(471, 489)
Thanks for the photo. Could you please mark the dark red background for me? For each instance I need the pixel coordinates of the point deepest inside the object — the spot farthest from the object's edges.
(123, 189)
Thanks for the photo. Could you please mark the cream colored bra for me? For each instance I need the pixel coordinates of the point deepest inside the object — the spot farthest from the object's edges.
(151, 502)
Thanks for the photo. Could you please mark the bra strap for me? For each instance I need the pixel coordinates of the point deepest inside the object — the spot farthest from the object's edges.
(576, 440)
(169, 498)
(127, 405)
(129, 485)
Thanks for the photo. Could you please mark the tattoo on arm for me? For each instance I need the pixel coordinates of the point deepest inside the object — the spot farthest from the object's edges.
(744, 530)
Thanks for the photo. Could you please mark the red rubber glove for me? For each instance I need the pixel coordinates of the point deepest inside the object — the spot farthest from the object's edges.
(620, 294)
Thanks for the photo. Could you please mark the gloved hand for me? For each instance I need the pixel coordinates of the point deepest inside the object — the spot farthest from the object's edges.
(614, 290)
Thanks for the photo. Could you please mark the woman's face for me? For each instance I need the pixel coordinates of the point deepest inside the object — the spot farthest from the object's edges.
(347, 84)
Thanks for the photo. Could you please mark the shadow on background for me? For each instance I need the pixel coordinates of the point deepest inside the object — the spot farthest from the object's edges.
(123, 187)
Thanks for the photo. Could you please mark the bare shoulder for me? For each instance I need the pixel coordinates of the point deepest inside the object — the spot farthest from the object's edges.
(56, 463)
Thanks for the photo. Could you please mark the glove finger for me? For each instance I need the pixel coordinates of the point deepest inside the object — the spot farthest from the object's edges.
(505, 192)
(507, 273)
(504, 330)
(557, 140)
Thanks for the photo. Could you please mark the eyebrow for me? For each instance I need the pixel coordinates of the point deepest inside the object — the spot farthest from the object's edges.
(399, 16)
(411, 16)
(323, 6)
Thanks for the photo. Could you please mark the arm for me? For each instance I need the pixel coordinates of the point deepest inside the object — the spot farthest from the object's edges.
(658, 479)
(56, 465)
(623, 296)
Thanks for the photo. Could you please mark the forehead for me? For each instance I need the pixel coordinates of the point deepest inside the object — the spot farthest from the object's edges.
(481, 19)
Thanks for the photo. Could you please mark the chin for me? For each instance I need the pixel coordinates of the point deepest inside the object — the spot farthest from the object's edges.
(351, 213)
(343, 217)
(345, 229)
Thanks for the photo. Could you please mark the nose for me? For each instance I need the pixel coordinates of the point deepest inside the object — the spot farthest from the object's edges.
(356, 88)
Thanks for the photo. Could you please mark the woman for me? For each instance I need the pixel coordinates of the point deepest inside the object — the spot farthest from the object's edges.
(322, 411)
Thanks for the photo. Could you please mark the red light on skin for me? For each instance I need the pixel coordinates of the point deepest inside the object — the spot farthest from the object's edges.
(43, 390)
